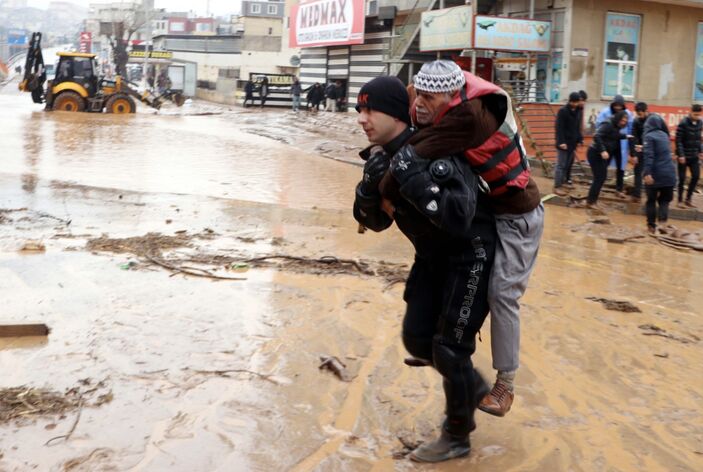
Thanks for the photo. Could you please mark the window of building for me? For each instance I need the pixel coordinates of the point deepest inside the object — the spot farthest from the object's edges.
(178, 26)
(272, 9)
(698, 64)
(622, 34)
(255, 8)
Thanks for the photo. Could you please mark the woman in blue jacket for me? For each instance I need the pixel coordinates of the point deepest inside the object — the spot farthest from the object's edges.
(659, 171)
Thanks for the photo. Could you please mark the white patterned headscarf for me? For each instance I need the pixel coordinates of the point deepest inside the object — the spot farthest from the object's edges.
(439, 76)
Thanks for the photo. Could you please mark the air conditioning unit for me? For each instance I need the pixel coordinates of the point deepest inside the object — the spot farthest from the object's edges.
(372, 8)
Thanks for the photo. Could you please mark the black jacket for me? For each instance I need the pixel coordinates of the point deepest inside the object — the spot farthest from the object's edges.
(637, 135)
(688, 138)
(607, 138)
(568, 127)
(440, 230)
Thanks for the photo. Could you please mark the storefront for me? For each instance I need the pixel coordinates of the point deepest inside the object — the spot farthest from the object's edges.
(338, 44)
(643, 50)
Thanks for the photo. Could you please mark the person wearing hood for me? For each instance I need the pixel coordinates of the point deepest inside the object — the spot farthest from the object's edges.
(617, 105)
(659, 171)
(568, 133)
(604, 148)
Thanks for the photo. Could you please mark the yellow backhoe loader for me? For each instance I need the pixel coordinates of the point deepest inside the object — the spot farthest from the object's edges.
(77, 86)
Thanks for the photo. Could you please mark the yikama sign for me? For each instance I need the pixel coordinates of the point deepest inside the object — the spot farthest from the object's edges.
(327, 23)
(512, 34)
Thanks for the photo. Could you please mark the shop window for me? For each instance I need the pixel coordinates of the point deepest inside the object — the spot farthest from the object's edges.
(622, 34)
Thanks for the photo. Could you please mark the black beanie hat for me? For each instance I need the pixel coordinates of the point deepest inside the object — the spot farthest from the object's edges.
(387, 95)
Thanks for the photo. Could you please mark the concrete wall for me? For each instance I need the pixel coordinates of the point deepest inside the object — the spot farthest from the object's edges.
(260, 26)
(666, 56)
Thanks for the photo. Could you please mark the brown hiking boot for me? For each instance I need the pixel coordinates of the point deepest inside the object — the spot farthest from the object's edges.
(498, 401)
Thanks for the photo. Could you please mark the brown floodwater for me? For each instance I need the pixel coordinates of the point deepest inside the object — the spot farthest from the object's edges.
(223, 375)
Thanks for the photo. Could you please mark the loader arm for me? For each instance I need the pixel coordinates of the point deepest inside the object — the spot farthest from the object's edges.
(34, 70)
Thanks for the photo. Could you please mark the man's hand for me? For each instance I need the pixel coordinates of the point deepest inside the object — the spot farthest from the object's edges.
(638, 148)
(682, 160)
(605, 155)
(374, 169)
(633, 161)
(406, 163)
(648, 180)
(562, 147)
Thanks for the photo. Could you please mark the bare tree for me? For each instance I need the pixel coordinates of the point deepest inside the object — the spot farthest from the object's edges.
(125, 21)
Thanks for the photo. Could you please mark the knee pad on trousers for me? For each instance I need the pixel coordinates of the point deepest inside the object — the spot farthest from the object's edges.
(420, 348)
(451, 360)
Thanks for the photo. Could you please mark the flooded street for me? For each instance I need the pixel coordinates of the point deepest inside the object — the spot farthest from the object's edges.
(222, 375)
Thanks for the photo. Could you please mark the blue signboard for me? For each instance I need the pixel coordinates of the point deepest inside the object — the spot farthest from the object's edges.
(698, 82)
(17, 37)
(512, 34)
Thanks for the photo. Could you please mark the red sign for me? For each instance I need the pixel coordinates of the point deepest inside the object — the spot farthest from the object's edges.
(327, 23)
(85, 42)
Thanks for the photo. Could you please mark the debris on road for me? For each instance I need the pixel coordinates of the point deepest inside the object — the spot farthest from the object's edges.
(21, 330)
(19, 403)
(654, 330)
(33, 246)
(616, 305)
(334, 365)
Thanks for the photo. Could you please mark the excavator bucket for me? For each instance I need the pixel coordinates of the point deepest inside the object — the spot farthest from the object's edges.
(34, 70)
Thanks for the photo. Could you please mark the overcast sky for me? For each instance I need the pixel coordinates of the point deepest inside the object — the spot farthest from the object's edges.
(217, 7)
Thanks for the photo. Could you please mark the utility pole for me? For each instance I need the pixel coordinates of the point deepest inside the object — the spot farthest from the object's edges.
(147, 40)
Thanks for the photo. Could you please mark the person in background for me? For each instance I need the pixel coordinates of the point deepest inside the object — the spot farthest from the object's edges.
(659, 172)
(570, 164)
(331, 96)
(568, 136)
(637, 158)
(264, 90)
(604, 148)
(315, 97)
(617, 105)
(295, 91)
(688, 151)
(248, 93)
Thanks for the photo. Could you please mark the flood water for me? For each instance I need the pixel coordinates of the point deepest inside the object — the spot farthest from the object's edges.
(212, 375)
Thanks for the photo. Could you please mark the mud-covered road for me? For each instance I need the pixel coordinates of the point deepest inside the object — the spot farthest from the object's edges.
(203, 374)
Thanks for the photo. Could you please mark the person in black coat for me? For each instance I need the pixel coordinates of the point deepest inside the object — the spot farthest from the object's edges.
(582, 105)
(441, 210)
(315, 96)
(636, 156)
(688, 150)
(568, 136)
(248, 93)
(659, 172)
(604, 148)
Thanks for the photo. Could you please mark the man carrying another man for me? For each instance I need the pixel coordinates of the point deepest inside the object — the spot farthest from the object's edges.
(468, 130)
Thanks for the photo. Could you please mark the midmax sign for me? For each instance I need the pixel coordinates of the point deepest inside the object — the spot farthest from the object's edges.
(327, 23)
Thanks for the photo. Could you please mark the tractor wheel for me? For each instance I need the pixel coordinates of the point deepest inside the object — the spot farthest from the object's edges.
(69, 101)
(120, 104)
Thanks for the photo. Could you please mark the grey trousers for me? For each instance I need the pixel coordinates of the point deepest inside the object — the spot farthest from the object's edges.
(516, 252)
(563, 160)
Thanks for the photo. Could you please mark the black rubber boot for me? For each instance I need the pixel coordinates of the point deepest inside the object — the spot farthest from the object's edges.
(445, 448)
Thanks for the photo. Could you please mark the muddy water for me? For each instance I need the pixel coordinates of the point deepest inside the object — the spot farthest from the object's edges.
(223, 375)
